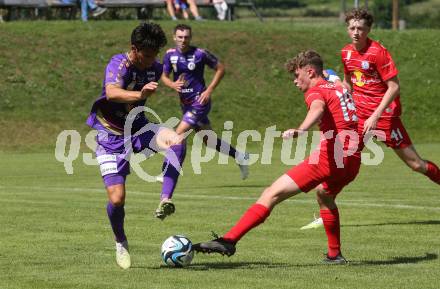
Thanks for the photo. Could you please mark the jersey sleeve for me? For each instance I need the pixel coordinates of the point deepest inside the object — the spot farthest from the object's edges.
(167, 64)
(385, 65)
(210, 59)
(115, 73)
(312, 96)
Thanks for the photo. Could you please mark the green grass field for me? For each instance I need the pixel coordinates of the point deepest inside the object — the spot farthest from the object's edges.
(55, 233)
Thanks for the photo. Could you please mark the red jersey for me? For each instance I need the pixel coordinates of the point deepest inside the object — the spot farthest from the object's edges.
(368, 70)
(339, 115)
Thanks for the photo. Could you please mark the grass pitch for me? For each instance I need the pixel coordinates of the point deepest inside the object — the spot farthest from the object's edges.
(55, 233)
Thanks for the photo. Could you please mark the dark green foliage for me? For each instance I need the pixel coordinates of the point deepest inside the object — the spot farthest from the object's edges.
(382, 10)
(431, 20)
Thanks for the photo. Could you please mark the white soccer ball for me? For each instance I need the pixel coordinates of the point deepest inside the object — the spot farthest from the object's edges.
(177, 251)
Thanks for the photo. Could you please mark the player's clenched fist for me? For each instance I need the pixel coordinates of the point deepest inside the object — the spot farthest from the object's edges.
(149, 89)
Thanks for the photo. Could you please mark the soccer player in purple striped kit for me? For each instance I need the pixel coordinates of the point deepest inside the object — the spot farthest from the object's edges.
(130, 78)
(187, 64)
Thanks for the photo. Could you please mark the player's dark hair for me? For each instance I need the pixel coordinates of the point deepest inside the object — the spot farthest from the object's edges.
(148, 35)
(359, 14)
(305, 58)
(182, 27)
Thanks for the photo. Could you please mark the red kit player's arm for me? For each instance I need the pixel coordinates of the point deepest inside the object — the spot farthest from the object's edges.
(391, 93)
(317, 108)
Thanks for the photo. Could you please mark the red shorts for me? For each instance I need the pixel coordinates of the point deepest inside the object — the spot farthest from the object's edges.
(308, 175)
(396, 136)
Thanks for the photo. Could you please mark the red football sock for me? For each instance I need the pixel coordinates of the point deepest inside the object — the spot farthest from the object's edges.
(432, 172)
(331, 225)
(253, 217)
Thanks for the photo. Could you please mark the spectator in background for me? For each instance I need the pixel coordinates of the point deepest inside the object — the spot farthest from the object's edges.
(181, 6)
(194, 10)
(85, 4)
(170, 9)
(192, 7)
(221, 7)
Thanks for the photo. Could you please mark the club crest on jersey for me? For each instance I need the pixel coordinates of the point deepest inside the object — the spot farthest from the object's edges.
(191, 65)
(365, 65)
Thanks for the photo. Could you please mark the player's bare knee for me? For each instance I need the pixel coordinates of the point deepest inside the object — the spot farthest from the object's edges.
(117, 202)
(179, 139)
(320, 195)
(168, 137)
(325, 201)
(116, 195)
(321, 192)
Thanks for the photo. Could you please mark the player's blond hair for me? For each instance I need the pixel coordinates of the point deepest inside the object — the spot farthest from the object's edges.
(304, 58)
(359, 14)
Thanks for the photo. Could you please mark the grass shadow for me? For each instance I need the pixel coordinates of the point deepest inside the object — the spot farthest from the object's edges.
(205, 266)
(238, 265)
(396, 260)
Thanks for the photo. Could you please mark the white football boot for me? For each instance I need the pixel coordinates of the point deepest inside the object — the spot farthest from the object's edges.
(122, 256)
(243, 164)
(317, 223)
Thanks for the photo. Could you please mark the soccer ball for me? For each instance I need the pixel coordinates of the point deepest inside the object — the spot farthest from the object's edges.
(177, 251)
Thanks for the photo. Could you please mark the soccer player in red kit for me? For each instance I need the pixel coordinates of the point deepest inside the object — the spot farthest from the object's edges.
(329, 168)
(371, 73)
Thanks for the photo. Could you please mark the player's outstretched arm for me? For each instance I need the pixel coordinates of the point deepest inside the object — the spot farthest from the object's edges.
(117, 94)
(317, 108)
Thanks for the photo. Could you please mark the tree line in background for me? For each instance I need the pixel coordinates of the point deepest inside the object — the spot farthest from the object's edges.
(424, 18)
